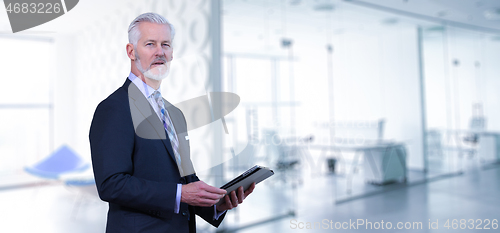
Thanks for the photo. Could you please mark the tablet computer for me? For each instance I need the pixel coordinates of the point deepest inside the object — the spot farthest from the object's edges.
(255, 174)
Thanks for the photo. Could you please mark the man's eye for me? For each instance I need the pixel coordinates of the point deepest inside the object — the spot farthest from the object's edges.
(166, 45)
(149, 44)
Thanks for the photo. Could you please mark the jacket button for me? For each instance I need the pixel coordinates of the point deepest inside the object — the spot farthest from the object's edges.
(184, 213)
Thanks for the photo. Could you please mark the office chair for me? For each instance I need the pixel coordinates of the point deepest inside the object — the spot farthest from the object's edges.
(477, 124)
(64, 160)
(83, 185)
(434, 143)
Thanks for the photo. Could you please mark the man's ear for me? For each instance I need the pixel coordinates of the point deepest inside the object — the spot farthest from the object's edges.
(131, 51)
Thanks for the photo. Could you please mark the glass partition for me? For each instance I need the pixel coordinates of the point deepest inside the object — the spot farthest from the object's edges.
(361, 101)
(461, 98)
(330, 100)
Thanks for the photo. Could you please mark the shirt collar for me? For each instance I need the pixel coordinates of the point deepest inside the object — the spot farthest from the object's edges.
(146, 90)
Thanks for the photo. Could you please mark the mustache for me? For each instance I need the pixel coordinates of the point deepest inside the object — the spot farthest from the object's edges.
(159, 59)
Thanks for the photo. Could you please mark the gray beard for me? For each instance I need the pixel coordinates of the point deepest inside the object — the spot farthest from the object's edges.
(162, 73)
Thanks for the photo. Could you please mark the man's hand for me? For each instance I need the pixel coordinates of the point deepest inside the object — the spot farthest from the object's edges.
(201, 194)
(235, 198)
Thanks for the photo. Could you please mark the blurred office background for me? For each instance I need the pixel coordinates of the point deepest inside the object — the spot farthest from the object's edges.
(384, 109)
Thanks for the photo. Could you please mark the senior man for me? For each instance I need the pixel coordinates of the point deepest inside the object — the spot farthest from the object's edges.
(140, 148)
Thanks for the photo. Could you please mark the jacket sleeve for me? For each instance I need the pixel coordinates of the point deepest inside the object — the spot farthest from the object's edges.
(207, 213)
(112, 138)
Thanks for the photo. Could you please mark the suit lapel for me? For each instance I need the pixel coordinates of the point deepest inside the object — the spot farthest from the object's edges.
(142, 112)
(180, 126)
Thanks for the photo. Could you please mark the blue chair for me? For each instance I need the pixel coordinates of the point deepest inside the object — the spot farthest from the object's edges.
(64, 160)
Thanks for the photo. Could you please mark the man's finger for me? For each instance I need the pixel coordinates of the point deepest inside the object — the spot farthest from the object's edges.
(208, 202)
(228, 202)
(211, 196)
(234, 199)
(215, 190)
(250, 189)
(241, 196)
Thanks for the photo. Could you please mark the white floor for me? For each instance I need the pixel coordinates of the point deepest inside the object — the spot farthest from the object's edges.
(50, 208)
(53, 208)
(471, 196)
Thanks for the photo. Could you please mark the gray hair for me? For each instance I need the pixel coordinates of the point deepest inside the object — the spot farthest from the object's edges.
(133, 32)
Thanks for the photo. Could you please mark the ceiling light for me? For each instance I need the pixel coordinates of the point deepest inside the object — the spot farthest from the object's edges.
(323, 5)
(442, 14)
(435, 29)
(390, 21)
(492, 14)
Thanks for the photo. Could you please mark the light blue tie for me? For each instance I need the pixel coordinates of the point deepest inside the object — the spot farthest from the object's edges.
(169, 127)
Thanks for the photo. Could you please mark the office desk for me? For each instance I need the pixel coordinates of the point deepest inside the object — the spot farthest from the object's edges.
(487, 146)
(385, 162)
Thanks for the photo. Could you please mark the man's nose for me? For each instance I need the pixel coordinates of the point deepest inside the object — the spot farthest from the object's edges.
(159, 51)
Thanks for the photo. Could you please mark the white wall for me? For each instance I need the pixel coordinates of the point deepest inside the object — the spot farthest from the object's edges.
(451, 89)
(490, 74)
(25, 99)
(379, 78)
(375, 67)
(64, 89)
(375, 73)
(437, 87)
(92, 63)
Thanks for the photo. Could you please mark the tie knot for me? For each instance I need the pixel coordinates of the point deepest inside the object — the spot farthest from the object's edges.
(157, 96)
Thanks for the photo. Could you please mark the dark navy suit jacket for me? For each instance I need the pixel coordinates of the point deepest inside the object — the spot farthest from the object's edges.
(135, 169)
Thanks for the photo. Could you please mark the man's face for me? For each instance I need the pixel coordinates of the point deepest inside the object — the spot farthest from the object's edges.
(154, 50)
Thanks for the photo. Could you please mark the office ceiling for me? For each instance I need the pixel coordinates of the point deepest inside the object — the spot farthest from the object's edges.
(262, 24)
(472, 14)
(82, 15)
(482, 14)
